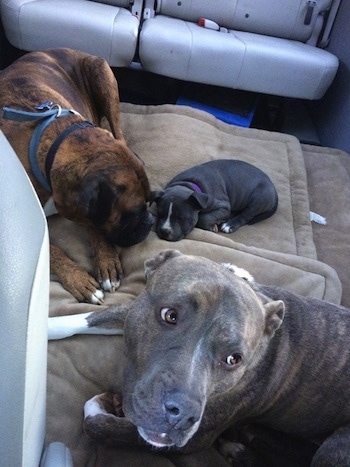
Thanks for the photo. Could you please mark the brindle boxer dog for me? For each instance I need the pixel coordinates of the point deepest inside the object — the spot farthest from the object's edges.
(206, 350)
(55, 101)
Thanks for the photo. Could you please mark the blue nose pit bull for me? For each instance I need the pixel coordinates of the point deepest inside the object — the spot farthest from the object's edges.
(207, 350)
(221, 194)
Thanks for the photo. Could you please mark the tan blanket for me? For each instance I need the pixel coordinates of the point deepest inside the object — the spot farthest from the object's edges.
(328, 172)
(279, 250)
(170, 139)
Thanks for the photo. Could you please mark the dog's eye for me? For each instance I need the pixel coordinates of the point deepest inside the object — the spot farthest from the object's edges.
(233, 359)
(169, 315)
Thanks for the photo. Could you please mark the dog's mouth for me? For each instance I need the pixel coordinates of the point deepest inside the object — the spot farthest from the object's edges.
(158, 440)
(169, 235)
(131, 229)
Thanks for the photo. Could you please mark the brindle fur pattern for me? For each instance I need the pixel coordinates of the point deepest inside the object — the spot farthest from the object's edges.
(96, 179)
(207, 351)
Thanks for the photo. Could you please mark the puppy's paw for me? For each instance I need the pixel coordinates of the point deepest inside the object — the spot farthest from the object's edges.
(225, 227)
(230, 226)
(240, 272)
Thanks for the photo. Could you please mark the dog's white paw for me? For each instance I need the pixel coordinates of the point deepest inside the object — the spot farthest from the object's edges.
(97, 297)
(94, 407)
(240, 272)
(110, 286)
(225, 228)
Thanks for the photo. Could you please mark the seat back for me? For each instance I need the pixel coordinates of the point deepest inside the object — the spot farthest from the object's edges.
(108, 29)
(263, 46)
(288, 19)
(24, 303)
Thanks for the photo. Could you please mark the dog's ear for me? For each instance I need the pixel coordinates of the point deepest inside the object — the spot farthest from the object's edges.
(155, 196)
(274, 313)
(151, 265)
(199, 199)
(97, 195)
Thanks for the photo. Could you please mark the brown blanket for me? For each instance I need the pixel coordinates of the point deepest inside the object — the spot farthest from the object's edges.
(328, 173)
(279, 250)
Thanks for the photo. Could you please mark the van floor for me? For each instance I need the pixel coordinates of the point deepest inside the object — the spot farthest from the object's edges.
(272, 113)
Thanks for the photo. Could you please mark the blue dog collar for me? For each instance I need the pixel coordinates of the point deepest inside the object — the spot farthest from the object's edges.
(48, 115)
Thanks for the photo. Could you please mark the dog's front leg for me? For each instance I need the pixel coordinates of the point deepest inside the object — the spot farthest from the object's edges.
(106, 263)
(211, 220)
(73, 278)
(106, 322)
(104, 421)
(335, 450)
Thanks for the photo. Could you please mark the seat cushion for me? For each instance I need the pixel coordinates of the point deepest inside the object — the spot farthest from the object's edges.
(235, 59)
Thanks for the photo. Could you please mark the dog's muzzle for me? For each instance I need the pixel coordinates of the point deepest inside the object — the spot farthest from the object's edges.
(131, 231)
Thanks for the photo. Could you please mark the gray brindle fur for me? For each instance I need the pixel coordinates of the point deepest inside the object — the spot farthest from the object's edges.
(207, 350)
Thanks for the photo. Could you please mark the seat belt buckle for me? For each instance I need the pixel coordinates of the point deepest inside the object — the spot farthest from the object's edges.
(311, 4)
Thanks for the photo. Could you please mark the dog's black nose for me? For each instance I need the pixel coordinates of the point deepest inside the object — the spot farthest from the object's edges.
(166, 234)
(181, 411)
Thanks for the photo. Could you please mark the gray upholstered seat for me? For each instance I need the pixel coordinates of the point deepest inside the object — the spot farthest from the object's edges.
(265, 46)
(108, 29)
(24, 304)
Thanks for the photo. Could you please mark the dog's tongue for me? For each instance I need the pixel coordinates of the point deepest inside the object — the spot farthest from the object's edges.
(156, 439)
